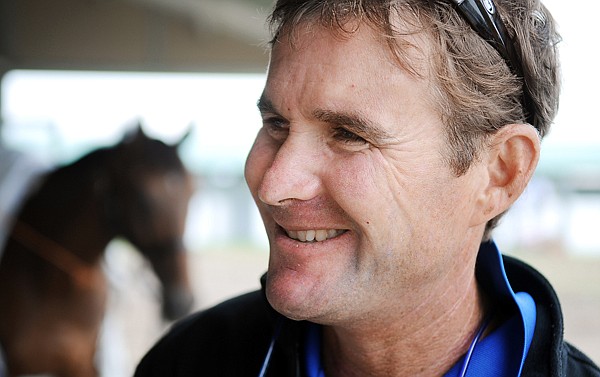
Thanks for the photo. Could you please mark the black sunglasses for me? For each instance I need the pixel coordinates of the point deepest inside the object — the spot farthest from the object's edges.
(485, 20)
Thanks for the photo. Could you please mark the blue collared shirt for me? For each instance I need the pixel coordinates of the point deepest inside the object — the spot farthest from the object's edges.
(500, 354)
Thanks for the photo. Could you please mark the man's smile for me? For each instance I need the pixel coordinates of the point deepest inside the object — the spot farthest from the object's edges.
(314, 235)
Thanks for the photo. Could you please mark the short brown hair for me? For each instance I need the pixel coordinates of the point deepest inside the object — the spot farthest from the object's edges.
(477, 93)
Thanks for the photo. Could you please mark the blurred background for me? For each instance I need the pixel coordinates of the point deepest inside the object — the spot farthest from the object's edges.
(77, 74)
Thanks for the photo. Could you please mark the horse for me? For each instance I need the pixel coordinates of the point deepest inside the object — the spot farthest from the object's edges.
(52, 288)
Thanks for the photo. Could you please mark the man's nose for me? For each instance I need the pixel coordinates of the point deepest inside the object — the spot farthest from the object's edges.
(294, 173)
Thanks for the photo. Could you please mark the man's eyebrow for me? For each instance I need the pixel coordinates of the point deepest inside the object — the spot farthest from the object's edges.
(265, 105)
(354, 122)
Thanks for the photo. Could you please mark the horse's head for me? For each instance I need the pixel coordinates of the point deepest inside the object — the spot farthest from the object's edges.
(151, 190)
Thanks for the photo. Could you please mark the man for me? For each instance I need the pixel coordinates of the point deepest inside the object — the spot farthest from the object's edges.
(395, 134)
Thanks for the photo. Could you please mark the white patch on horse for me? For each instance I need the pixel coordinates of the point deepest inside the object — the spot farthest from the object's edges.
(20, 174)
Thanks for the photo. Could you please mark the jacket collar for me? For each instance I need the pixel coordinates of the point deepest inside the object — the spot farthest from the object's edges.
(545, 355)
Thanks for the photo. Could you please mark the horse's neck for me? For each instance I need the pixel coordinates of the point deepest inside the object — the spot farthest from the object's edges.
(67, 211)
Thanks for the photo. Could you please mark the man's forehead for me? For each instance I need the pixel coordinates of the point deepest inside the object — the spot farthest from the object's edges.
(409, 46)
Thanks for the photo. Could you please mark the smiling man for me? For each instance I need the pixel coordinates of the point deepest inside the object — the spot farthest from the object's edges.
(395, 134)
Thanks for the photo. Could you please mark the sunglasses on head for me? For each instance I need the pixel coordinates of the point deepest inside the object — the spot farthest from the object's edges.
(483, 17)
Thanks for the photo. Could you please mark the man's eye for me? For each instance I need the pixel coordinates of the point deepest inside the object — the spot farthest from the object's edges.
(276, 126)
(342, 134)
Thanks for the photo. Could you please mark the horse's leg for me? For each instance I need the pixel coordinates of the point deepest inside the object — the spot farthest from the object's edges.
(78, 356)
(64, 336)
(80, 368)
(58, 354)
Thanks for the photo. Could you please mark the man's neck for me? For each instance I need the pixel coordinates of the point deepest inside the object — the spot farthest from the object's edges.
(424, 342)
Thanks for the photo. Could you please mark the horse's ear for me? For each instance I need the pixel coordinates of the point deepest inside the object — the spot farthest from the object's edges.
(185, 136)
(136, 133)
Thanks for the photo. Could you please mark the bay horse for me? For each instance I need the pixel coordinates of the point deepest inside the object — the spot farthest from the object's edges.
(52, 287)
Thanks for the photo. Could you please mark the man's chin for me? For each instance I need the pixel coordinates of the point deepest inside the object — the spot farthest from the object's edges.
(285, 306)
(290, 304)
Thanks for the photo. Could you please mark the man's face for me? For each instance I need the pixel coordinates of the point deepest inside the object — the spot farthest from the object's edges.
(351, 157)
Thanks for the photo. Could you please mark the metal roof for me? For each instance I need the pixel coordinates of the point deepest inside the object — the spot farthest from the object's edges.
(134, 35)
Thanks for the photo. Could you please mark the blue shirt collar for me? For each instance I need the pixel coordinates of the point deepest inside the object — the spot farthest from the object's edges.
(500, 354)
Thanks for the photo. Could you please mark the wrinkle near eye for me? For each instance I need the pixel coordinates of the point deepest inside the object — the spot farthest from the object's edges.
(346, 136)
(276, 126)
(355, 123)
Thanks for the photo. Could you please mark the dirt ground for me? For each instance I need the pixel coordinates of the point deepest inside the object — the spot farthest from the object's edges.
(576, 280)
(222, 273)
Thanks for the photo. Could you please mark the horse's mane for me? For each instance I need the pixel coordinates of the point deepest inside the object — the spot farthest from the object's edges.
(140, 153)
(86, 163)
(133, 156)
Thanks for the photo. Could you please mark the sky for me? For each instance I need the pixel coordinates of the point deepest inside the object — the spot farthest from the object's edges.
(577, 123)
(85, 109)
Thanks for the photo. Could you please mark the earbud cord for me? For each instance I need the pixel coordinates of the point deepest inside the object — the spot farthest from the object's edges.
(276, 332)
(465, 366)
(463, 371)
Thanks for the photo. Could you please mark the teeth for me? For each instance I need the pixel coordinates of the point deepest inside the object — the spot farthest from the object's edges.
(313, 235)
(320, 235)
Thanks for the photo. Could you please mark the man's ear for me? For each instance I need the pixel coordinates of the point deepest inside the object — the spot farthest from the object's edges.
(510, 159)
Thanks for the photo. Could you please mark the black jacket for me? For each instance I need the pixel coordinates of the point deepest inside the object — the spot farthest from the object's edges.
(232, 339)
